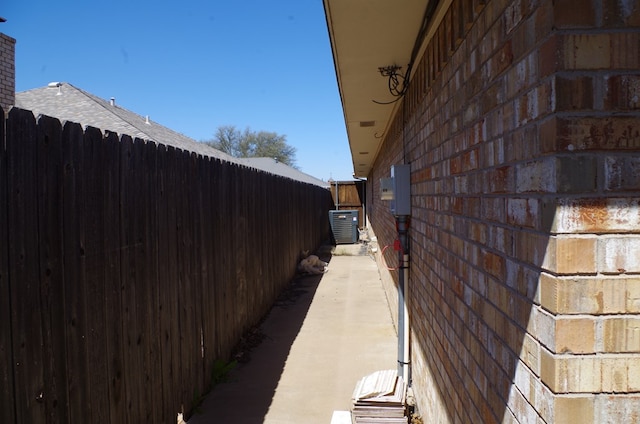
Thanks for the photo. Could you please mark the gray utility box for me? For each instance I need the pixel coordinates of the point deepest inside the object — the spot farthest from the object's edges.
(344, 225)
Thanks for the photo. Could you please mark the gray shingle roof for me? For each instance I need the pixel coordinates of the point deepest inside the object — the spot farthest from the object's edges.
(68, 103)
(276, 167)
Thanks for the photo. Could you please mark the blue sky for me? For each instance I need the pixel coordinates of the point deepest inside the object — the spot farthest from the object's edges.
(195, 66)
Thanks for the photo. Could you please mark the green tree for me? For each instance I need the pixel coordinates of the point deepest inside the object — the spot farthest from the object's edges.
(251, 144)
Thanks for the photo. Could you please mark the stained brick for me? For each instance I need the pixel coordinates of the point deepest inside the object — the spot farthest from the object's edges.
(536, 176)
(523, 212)
(594, 133)
(617, 13)
(622, 92)
(597, 215)
(619, 255)
(616, 409)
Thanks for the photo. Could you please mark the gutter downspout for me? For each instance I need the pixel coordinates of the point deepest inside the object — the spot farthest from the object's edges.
(404, 360)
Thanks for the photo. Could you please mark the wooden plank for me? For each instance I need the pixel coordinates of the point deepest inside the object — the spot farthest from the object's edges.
(215, 217)
(163, 292)
(185, 244)
(257, 291)
(237, 277)
(75, 312)
(50, 213)
(130, 275)
(7, 409)
(94, 284)
(222, 255)
(24, 266)
(197, 270)
(110, 152)
(207, 224)
(146, 254)
(227, 316)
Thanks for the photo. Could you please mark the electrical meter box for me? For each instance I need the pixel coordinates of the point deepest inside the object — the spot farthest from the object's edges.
(397, 190)
(386, 189)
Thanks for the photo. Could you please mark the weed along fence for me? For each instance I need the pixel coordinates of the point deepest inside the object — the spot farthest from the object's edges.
(128, 268)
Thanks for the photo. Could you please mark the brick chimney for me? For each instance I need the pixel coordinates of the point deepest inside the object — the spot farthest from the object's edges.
(7, 71)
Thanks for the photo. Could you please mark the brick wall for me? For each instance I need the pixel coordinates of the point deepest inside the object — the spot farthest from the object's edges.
(7, 71)
(522, 129)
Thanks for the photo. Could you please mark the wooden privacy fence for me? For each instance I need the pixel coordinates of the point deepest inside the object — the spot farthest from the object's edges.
(350, 195)
(127, 268)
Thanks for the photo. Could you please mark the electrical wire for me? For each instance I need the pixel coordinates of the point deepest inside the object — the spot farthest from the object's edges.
(385, 261)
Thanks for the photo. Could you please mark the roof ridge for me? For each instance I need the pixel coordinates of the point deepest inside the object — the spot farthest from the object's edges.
(107, 106)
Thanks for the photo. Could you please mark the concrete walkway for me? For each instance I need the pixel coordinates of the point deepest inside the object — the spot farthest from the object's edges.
(330, 331)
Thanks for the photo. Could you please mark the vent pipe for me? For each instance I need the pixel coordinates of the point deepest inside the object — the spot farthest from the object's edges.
(112, 101)
(57, 85)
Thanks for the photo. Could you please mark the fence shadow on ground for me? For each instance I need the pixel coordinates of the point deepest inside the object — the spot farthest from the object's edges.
(250, 389)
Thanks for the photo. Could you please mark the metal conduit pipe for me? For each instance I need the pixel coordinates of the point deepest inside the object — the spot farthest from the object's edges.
(404, 361)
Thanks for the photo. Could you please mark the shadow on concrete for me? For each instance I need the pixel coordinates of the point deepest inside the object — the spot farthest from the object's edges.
(248, 394)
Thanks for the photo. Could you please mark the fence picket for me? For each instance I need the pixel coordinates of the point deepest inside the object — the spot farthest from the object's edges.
(94, 284)
(7, 409)
(50, 213)
(127, 268)
(75, 310)
(24, 266)
(110, 154)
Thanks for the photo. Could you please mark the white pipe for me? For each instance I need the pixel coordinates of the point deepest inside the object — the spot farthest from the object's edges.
(405, 330)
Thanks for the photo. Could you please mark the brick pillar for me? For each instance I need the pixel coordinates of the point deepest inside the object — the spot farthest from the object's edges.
(7, 71)
(589, 313)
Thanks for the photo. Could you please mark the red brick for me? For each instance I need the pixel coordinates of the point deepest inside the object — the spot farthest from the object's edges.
(501, 60)
(617, 13)
(549, 56)
(595, 133)
(499, 180)
(574, 94)
(587, 51)
(577, 174)
(625, 50)
(622, 173)
(574, 13)
(523, 212)
(622, 92)
(512, 16)
(547, 135)
(543, 19)
(493, 264)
